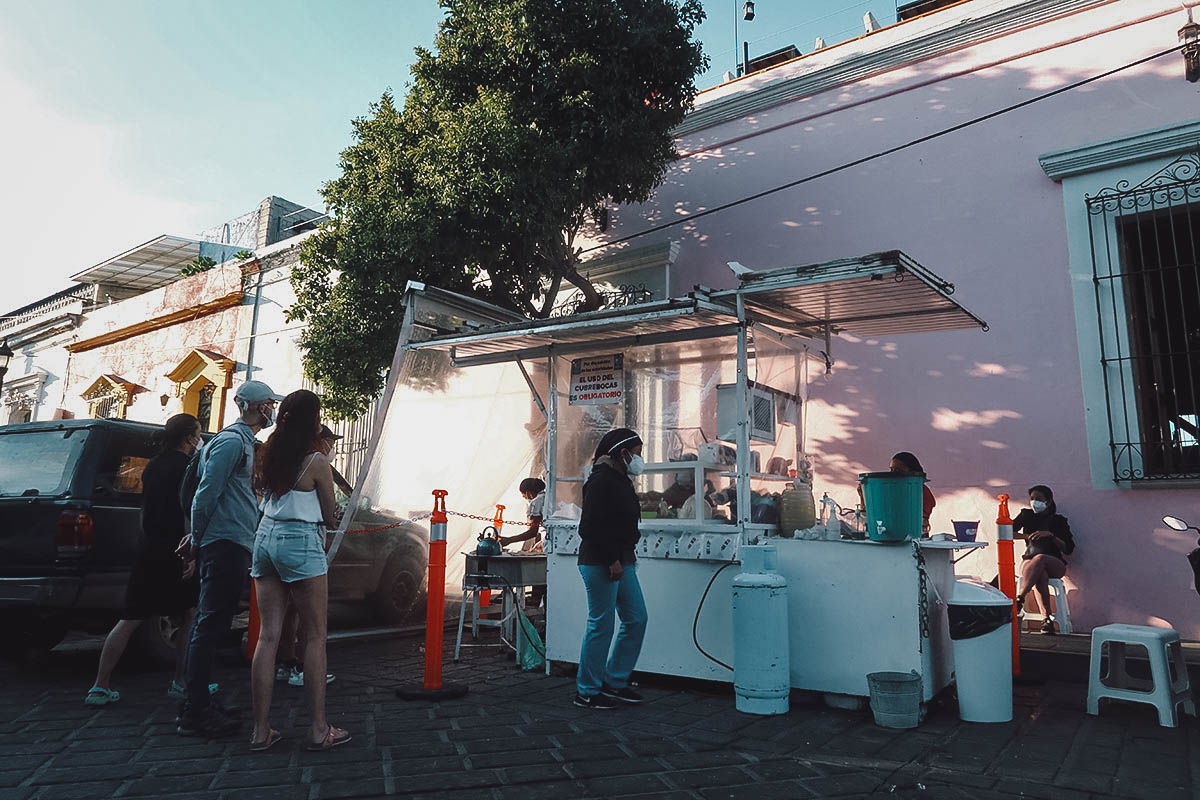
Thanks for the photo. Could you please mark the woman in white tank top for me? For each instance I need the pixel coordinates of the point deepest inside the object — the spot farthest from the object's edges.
(296, 483)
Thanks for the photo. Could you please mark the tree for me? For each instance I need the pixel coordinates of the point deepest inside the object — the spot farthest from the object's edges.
(528, 119)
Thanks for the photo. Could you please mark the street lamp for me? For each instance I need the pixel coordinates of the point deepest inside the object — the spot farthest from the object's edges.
(6, 355)
(748, 15)
(1189, 37)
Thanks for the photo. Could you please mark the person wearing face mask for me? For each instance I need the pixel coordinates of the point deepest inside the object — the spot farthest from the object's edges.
(159, 584)
(224, 517)
(608, 532)
(1048, 542)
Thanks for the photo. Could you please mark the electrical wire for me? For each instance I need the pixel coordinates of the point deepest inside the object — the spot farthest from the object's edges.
(877, 155)
(696, 619)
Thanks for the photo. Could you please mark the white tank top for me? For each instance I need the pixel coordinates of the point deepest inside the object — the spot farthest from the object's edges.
(295, 504)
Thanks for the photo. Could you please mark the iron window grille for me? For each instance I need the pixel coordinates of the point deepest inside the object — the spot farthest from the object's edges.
(1145, 242)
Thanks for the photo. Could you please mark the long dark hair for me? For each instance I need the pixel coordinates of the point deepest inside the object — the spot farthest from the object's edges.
(277, 463)
(176, 430)
(909, 460)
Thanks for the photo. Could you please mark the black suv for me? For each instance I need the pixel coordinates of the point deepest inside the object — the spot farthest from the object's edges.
(70, 506)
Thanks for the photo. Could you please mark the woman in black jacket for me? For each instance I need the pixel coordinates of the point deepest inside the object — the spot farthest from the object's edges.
(608, 530)
(1048, 542)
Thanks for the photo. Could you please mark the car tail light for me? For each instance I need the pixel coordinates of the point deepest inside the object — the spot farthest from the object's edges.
(75, 530)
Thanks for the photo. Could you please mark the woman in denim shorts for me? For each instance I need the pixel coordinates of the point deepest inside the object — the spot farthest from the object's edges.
(296, 484)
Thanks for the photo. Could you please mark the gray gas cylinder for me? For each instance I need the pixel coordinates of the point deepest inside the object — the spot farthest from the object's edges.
(761, 667)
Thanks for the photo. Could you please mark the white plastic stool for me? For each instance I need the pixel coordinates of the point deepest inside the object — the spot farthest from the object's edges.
(1164, 693)
(1062, 611)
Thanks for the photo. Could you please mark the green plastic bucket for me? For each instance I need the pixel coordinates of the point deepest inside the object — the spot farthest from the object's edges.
(893, 505)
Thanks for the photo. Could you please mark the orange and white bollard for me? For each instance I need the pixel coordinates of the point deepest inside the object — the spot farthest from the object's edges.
(1008, 574)
(432, 688)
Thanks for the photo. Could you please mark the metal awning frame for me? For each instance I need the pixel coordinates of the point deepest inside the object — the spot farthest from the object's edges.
(707, 314)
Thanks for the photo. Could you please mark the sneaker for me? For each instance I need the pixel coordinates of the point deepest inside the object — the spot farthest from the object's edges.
(282, 673)
(596, 701)
(297, 678)
(179, 692)
(211, 723)
(625, 695)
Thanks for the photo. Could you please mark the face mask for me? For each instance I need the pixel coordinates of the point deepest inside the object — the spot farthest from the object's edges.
(268, 415)
(1038, 506)
(636, 465)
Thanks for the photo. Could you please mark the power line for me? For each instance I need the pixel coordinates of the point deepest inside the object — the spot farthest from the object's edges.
(880, 154)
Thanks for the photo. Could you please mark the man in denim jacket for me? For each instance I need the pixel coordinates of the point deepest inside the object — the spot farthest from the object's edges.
(224, 516)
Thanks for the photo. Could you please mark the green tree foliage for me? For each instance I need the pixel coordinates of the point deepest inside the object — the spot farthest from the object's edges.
(529, 117)
(197, 265)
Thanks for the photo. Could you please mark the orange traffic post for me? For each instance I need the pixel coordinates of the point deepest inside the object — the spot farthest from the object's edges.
(1008, 574)
(255, 623)
(432, 687)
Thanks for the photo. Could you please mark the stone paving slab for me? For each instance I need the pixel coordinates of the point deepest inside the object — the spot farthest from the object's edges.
(516, 735)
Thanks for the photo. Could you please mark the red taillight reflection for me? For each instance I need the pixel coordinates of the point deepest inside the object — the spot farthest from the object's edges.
(75, 529)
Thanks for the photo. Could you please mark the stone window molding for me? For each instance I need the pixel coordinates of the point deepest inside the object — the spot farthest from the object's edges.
(202, 380)
(22, 396)
(1086, 172)
(109, 396)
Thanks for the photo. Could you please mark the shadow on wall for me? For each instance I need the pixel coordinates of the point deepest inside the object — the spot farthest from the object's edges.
(985, 413)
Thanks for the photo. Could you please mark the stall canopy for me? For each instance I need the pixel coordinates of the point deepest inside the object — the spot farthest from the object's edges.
(881, 294)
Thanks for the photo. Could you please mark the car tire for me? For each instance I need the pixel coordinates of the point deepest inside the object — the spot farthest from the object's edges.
(154, 640)
(401, 586)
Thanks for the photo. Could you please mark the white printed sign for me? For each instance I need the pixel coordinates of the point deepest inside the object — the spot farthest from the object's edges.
(597, 380)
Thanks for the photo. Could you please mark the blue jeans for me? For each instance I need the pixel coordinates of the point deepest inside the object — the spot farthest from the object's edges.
(606, 599)
(223, 566)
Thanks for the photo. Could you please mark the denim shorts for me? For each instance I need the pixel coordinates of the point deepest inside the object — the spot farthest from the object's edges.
(288, 550)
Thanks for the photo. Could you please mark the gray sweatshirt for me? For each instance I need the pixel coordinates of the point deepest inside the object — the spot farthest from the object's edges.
(225, 506)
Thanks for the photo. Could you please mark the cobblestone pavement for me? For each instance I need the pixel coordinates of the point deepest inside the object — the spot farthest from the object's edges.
(516, 735)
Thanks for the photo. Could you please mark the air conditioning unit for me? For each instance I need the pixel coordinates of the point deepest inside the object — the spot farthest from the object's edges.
(762, 413)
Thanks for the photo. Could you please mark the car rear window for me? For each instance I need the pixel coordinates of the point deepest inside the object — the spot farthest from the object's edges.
(39, 462)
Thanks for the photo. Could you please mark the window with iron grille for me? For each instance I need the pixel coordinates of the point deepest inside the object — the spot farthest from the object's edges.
(1145, 255)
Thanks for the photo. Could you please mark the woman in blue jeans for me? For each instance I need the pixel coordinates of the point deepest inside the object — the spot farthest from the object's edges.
(608, 528)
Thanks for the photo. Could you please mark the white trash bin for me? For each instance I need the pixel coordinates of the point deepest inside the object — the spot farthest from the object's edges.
(981, 637)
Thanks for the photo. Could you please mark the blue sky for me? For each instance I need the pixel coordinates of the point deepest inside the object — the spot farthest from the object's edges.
(130, 118)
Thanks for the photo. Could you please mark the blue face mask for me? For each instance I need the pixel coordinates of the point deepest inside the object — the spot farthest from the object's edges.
(1039, 506)
(268, 415)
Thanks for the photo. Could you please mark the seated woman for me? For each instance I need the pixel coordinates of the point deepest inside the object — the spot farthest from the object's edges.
(905, 463)
(1048, 542)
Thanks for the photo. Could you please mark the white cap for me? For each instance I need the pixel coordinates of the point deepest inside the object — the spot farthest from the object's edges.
(252, 392)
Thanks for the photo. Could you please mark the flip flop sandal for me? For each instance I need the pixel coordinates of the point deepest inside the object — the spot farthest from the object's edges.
(99, 696)
(266, 744)
(333, 738)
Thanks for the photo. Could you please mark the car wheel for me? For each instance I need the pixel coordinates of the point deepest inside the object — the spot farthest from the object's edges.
(156, 637)
(401, 585)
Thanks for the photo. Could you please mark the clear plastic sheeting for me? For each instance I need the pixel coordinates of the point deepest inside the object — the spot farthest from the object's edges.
(475, 433)
(682, 399)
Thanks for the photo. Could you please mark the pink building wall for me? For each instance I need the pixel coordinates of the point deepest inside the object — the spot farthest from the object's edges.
(986, 412)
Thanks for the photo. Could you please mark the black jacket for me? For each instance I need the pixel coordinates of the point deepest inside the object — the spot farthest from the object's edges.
(608, 525)
(1029, 522)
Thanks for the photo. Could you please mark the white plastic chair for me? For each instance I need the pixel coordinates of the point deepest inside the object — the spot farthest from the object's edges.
(1062, 609)
(1162, 691)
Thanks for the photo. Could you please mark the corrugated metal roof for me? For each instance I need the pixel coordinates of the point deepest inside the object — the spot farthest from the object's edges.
(881, 294)
(147, 266)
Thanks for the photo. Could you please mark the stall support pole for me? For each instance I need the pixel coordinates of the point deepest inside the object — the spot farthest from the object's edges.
(485, 597)
(1008, 574)
(551, 464)
(435, 613)
(743, 428)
